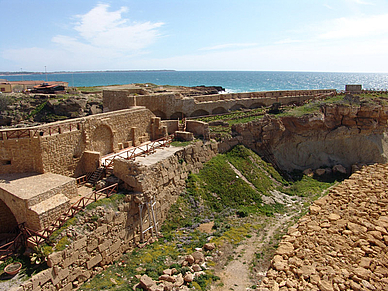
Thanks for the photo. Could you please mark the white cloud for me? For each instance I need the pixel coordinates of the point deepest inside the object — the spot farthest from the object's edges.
(357, 27)
(288, 40)
(227, 46)
(361, 2)
(102, 28)
(102, 38)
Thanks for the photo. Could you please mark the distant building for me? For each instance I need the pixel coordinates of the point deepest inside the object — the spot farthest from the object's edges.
(353, 88)
(5, 87)
(24, 86)
(47, 88)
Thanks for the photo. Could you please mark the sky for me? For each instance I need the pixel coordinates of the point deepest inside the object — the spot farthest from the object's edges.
(188, 35)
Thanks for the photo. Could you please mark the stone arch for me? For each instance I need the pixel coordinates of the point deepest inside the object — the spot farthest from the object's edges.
(199, 112)
(102, 140)
(8, 220)
(160, 114)
(219, 110)
(256, 105)
(237, 107)
(178, 115)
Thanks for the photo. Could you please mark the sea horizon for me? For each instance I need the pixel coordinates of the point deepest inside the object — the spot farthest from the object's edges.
(232, 81)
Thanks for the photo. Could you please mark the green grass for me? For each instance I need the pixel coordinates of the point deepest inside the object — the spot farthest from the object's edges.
(214, 194)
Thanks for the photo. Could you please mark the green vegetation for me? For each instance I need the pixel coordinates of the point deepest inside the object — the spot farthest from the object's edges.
(215, 194)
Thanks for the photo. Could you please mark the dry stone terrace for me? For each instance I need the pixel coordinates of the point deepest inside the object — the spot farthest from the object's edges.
(342, 243)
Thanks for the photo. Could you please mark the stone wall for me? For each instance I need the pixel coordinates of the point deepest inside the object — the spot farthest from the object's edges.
(7, 219)
(119, 231)
(37, 200)
(198, 128)
(164, 180)
(84, 257)
(174, 106)
(20, 155)
(58, 147)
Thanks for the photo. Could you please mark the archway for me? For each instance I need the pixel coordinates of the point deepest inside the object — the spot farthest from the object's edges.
(178, 115)
(160, 114)
(219, 110)
(256, 105)
(8, 221)
(199, 112)
(102, 140)
(237, 107)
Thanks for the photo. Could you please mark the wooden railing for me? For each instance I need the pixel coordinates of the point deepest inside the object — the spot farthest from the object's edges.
(38, 237)
(36, 131)
(134, 152)
(9, 248)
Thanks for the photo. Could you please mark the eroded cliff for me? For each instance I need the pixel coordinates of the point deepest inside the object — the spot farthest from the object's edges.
(337, 134)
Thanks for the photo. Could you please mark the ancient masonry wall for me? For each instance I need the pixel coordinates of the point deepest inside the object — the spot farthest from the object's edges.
(165, 180)
(174, 106)
(120, 230)
(7, 219)
(59, 147)
(20, 156)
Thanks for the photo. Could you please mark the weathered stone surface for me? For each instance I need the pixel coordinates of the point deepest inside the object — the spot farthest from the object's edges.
(146, 282)
(340, 242)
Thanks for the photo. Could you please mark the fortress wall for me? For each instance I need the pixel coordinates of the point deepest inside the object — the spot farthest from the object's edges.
(20, 155)
(7, 219)
(116, 100)
(54, 148)
(165, 179)
(119, 231)
(172, 125)
(62, 153)
(173, 106)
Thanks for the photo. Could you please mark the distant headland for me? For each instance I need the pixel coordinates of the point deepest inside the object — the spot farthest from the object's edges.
(78, 72)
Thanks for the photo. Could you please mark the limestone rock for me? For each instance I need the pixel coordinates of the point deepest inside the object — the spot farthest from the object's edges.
(146, 282)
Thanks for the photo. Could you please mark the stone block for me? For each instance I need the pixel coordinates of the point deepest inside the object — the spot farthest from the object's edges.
(54, 259)
(80, 243)
(105, 245)
(92, 244)
(115, 246)
(70, 260)
(67, 287)
(120, 218)
(63, 273)
(100, 231)
(43, 276)
(93, 261)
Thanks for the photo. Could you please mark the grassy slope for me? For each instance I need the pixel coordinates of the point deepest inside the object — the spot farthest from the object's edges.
(215, 194)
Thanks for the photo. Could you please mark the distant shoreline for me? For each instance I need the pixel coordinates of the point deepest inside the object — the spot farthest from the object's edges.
(78, 72)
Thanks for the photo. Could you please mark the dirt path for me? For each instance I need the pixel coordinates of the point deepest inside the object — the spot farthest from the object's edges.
(239, 274)
(244, 269)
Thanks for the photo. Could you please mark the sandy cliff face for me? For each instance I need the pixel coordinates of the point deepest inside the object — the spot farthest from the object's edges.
(338, 134)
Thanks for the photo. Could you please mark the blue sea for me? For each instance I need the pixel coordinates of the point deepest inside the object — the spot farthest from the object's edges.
(232, 81)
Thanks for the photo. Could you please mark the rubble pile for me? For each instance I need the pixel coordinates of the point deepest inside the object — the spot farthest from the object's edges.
(342, 243)
(173, 280)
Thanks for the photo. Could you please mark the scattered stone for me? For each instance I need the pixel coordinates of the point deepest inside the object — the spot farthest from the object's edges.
(339, 169)
(339, 244)
(146, 282)
(209, 246)
(188, 277)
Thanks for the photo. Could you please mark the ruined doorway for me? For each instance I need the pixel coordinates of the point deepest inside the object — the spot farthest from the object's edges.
(8, 221)
(102, 140)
